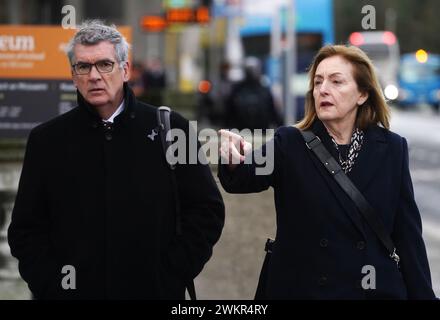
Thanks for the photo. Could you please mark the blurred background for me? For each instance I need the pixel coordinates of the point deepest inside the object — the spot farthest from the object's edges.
(225, 63)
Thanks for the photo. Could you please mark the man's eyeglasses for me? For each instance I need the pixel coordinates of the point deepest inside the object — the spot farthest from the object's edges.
(104, 66)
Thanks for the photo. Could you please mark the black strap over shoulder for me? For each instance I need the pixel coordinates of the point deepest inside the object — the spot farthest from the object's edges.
(370, 215)
(164, 127)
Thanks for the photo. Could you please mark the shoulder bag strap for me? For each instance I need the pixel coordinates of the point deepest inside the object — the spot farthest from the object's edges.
(164, 126)
(370, 215)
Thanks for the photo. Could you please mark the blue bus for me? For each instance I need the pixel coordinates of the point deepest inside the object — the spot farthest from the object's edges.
(314, 29)
(419, 80)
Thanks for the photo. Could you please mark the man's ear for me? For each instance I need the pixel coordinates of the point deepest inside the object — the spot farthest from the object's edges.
(126, 71)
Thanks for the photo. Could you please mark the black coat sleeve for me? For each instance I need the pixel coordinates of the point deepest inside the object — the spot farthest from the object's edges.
(408, 239)
(28, 233)
(202, 212)
(259, 171)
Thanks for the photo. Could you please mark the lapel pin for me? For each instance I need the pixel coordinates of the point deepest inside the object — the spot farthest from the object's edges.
(152, 134)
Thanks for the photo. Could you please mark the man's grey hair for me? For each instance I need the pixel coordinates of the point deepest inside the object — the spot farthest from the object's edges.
(95, 31)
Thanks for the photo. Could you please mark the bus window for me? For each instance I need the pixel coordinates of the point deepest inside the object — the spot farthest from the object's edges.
(377, 52)
(308, 45)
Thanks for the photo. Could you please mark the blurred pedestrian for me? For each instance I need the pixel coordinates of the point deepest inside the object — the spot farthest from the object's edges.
(348, 224)
(154, 79)
(224, 91)
(211, 98)
(96, 193)
(250, 103)
(136, 81)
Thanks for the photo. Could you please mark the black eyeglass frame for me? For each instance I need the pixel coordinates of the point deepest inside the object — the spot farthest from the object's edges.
(90, 66)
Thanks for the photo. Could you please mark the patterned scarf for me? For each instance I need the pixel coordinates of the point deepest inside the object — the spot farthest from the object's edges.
(355, 146)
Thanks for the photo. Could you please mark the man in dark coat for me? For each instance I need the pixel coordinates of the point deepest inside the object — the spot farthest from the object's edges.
(94, 216)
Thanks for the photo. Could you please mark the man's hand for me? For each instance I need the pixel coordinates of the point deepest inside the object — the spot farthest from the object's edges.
(233, 148)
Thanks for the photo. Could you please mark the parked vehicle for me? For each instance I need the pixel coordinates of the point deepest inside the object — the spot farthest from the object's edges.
(383, 49)
(419, 79)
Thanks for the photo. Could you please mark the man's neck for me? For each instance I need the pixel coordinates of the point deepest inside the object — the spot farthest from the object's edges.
(106, 111)
(110, 117)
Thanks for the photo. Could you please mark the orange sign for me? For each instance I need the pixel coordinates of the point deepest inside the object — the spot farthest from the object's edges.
(37, 52)
(202, 15)
(153, 23)
(185, 15)
(175, 15)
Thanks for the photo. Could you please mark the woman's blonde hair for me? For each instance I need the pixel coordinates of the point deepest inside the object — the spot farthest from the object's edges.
(374, 110)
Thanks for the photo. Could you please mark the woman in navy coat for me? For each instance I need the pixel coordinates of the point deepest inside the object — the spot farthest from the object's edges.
(324, 248)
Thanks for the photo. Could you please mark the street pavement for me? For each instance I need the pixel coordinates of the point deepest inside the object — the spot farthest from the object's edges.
(421, 127)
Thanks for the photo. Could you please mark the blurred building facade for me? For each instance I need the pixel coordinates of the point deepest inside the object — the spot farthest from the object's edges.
(178, 46)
